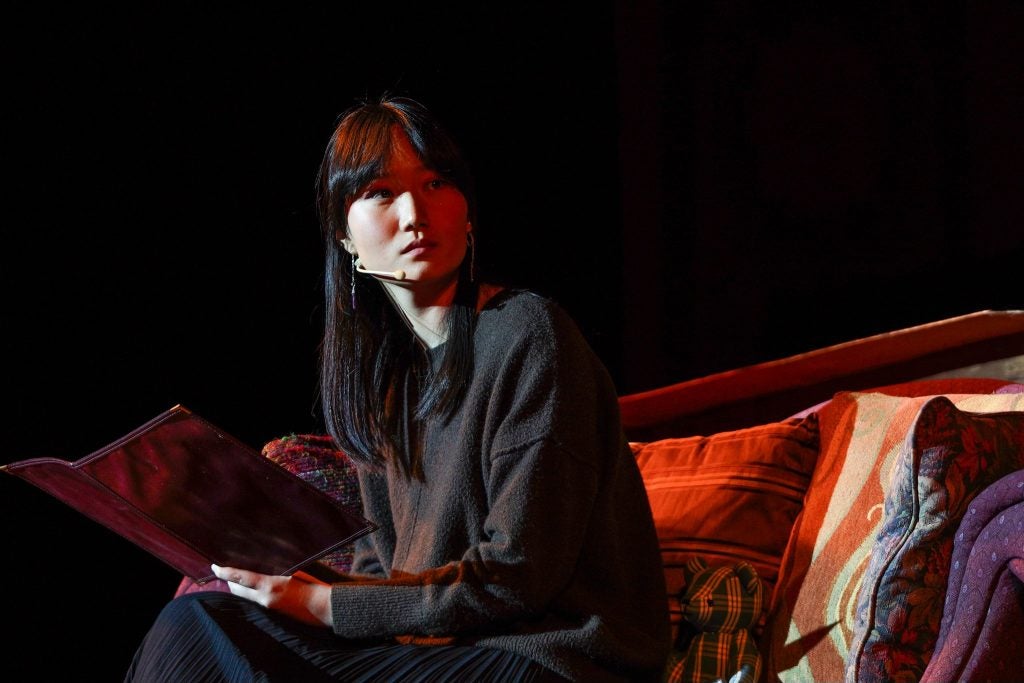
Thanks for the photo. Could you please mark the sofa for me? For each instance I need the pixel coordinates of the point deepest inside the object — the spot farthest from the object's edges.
(877, 487)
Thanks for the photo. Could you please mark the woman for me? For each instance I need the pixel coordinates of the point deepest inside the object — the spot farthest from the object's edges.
(515, 540)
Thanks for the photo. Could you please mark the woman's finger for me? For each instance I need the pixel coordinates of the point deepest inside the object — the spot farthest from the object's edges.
(233, 575)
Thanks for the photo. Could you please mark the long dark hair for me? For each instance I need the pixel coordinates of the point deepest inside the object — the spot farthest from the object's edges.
(368, 352)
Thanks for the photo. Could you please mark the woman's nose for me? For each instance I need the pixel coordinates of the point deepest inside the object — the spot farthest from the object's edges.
(412, 210)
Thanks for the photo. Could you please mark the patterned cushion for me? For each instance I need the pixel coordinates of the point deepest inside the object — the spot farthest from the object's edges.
(811, 621)
(950, 458)
(317, 460)
(727, 497)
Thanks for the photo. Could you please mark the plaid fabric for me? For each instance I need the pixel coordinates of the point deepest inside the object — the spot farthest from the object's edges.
(722, 603)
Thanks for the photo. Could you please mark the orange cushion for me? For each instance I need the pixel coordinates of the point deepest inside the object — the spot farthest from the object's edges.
(728, 497)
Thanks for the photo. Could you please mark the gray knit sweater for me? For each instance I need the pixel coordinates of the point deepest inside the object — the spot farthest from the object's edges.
(529, 530)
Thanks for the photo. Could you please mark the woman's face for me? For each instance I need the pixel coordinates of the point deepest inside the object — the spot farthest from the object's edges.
(409, 219)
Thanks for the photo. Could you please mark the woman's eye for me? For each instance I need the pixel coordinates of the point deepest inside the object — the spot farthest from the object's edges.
(377, 193)
(437, 183)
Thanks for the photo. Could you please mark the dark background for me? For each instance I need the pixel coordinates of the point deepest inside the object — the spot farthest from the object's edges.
(702, 185)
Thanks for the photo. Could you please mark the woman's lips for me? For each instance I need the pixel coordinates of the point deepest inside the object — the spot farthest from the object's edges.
(419, 247)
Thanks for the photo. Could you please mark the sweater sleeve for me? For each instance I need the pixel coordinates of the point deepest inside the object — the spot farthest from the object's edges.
(542, 443)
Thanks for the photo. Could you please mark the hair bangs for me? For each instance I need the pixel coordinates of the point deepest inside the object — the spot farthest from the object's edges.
(361, 152)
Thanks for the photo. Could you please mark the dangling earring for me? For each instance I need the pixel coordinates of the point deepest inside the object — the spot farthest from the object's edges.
(353, 278)
(472, 256)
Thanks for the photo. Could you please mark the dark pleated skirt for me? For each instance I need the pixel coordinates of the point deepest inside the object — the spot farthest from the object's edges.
(219, 637)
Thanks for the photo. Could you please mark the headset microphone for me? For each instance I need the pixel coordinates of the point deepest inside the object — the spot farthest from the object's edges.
(386, 274)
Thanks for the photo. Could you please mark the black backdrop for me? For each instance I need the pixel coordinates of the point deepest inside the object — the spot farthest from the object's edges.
(702, 186)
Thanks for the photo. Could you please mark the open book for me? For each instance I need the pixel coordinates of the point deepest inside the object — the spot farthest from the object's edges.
(193, 495)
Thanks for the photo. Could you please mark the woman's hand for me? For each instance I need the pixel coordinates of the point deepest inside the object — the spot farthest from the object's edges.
(300, 596)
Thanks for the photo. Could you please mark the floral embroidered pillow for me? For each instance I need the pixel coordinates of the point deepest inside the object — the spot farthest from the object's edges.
(949, 458)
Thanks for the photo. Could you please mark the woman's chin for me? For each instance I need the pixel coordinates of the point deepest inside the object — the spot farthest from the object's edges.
(426, 274)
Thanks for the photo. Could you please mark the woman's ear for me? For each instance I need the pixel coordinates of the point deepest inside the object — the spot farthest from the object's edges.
(345, 242)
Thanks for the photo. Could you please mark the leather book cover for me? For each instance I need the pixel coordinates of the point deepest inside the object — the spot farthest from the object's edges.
(193, 495)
